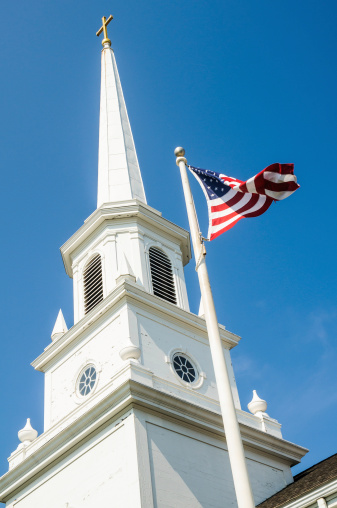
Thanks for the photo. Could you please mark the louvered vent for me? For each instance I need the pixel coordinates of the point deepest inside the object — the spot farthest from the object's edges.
(93, 284)
(162, 275)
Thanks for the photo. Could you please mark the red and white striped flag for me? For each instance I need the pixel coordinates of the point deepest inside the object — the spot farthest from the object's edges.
(230, 199)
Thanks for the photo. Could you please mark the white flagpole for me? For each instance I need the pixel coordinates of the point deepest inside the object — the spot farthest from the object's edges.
(242, 486)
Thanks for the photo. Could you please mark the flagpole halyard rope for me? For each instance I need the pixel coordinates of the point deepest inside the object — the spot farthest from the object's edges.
(202, 253)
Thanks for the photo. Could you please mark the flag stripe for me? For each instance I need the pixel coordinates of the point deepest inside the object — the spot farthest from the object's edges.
(278, 196)
(276, 177)
(228, 224)
(250, 185)
(226, 228)
(252, 200)
(264, 207)
(230, 203)
(283, 169)
(279, 187)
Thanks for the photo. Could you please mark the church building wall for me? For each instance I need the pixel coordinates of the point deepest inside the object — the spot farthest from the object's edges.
(188, 468)
(99, 347)
(102, 472)
(145, 460)
(157, 338)
(160, 340)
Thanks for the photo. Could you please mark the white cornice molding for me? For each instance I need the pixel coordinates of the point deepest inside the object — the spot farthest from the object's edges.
(132, 293)
(123, 210)
(73, 430)
(208, 420)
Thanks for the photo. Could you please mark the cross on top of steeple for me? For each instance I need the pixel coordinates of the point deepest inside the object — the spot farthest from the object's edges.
(103, 29)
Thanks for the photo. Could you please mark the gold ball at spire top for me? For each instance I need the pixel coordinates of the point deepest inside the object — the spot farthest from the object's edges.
(103, 29)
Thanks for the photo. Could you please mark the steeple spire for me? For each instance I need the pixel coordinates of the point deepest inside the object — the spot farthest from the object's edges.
(119, 177)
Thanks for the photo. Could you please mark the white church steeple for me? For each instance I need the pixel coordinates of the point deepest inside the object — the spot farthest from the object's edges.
(131, 403)
(119, 177)
(117, 238)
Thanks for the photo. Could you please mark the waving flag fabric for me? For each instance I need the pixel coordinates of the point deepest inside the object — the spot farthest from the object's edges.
(230, 199)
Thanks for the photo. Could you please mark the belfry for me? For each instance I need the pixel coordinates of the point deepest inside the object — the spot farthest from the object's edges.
(131, 409)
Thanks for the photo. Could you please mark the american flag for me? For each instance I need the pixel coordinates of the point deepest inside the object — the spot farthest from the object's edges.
(230, 199)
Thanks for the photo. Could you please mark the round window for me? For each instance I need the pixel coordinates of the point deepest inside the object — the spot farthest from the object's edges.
(87, 380)
(184, 368)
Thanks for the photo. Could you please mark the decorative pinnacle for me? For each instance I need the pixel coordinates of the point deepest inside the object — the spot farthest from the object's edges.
(257, 406)
(103, 29)
(179, 151)
(60, 327)
(27, 434)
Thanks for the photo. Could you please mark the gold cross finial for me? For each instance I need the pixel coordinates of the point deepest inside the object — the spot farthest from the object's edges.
(103, 29)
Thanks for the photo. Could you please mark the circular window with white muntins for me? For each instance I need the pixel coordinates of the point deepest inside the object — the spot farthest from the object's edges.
(87, 380)
(184, 367)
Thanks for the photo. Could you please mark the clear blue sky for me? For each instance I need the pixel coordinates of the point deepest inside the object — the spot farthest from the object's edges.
(240, 84)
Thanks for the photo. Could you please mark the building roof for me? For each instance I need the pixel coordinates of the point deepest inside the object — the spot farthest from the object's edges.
(305, 482)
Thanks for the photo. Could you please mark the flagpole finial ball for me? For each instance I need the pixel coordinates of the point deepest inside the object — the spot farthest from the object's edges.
(179, 151)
